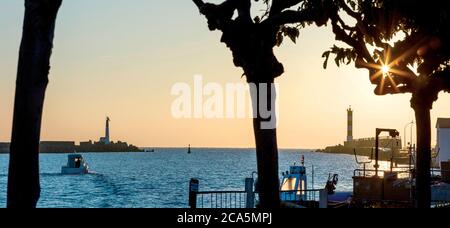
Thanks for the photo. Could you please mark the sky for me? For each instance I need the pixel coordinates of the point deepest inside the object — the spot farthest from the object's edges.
(121, 58)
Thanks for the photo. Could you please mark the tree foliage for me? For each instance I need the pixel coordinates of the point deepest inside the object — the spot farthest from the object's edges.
(405, 45)
(410, 37)
(252, 38)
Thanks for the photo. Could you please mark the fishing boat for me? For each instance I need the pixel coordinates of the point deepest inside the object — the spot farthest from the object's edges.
(294, 189)
(76, 165)
(294, 184)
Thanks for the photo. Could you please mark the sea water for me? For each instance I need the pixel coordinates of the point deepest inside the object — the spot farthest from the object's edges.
(161, 179)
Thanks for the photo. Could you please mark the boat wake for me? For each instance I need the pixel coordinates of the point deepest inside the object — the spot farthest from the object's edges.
(93, 173)
(51, 174)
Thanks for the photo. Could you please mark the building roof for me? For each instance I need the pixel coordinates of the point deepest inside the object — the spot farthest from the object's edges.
(443, 123)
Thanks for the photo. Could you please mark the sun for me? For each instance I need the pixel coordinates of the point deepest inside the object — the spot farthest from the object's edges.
(385, 69)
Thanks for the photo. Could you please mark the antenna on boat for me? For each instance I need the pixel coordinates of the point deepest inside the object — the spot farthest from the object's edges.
(254, 173)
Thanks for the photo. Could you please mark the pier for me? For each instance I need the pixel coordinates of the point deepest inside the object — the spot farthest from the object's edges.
(103, 145)
(390, 147)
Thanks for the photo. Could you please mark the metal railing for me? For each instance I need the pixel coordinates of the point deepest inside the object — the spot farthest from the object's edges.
(241, 199)
(373, 139)
(312, 198)
(222, 199)
(301, 195)
(403, 172)
(400, 172)
(249, 198)
(439, 172)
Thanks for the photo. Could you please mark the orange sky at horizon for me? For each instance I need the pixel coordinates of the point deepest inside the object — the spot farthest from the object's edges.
(125, 70)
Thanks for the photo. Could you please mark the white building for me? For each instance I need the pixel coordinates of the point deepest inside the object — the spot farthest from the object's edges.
(443, 139)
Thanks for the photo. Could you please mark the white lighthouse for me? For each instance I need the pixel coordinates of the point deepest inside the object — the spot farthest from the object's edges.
(105, 140)
(349, 124)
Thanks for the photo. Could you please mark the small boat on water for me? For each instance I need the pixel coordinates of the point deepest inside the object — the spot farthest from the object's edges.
(294, 184)
(149, 150)
(189, 149)
(294, 189)
(76, 165)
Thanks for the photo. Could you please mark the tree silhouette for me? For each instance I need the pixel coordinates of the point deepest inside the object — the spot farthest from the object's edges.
(32, 80)
(251, 41)
(405, 47)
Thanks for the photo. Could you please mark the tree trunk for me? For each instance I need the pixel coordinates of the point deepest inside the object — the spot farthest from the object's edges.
(423, 161)
(32, 80)
(266, 150)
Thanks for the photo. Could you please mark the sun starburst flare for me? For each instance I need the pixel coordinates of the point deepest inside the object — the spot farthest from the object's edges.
(387, 70)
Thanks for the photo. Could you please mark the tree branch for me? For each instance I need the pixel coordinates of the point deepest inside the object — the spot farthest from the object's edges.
(291, 17)
(308, 13)
(358, 45)
(279, 5)
(349, 11)
(220, 16)
(390, 90)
